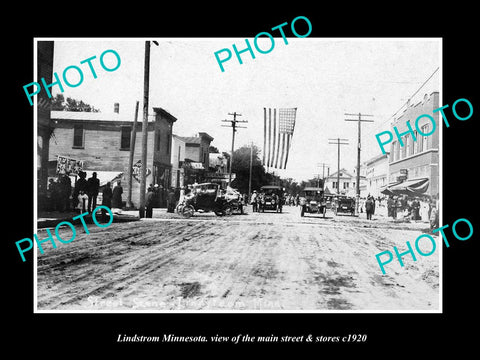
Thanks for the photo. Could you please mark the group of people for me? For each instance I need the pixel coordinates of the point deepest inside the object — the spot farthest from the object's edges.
(257, 199)
(156, 195)
(82, 197)
(414, 208)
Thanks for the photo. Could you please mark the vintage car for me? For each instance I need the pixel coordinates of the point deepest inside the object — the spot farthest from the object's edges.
(235, 199)
(271, 198)
(311, 200)
(343, 204)
(204, 197)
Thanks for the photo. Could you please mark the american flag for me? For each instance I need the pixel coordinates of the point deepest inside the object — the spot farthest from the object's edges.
(276, 144)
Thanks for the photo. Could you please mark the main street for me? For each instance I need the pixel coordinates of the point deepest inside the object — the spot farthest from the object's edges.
(256, 261)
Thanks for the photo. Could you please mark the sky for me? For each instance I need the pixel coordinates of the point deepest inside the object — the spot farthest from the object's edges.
(324, 78)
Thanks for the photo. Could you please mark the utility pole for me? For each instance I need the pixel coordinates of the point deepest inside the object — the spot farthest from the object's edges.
(338, 142)
(323, 172)
(133, 137)
(250, 172)
(360, 120)
(143, 169)
(234, 126)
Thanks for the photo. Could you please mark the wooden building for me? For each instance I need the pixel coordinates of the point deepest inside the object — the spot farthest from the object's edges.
(102, 142)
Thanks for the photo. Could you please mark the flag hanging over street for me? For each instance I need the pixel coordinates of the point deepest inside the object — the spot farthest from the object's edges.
(277, 138)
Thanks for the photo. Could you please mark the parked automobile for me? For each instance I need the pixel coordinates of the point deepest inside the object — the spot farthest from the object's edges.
(271, 198)
(312, 201)
(343, 204)
(235, 199)
(204, 197)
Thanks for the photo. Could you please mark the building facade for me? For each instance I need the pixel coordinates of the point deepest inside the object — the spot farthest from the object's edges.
(376, 174)
(417, 160)
(102, 142)
(347, 182)
(192, 157)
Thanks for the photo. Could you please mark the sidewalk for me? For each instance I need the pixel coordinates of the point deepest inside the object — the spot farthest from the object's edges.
(47, 219)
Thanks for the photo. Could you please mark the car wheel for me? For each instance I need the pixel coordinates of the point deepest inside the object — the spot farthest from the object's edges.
(324, 212)
(302, 211)
(241, 209)
(188, 211)
(227, 211)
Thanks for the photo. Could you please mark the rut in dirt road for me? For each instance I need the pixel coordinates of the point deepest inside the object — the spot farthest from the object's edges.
(253, 262)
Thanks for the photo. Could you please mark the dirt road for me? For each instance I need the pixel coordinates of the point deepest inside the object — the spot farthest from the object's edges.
(254, 261)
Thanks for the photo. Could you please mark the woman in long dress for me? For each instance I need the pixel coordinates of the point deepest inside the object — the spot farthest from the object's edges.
(117, 197)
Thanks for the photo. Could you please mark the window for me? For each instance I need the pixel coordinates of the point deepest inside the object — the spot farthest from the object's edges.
(404, 147)
(126, 132)
(78, 136)
(334, 185)
(425, 130)
(158, 140)
(415, 144)
(345, 185)
(179, 151)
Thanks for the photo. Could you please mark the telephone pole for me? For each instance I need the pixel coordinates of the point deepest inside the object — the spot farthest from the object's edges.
(338, 142)
(234, 126)
(359, 120)
(143, 169)
(323, 172)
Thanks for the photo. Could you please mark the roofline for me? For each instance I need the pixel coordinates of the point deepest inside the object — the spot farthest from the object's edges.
(165, 114)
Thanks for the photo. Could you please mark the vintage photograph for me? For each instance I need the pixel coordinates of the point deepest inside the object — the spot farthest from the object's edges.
(238, 179)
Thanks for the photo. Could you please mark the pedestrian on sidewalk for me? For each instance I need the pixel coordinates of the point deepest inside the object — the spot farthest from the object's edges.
(80, 185)
(107, 195)
(149, 199)
(369, 207)
(82, 200)
(93, 185)
(117, 197)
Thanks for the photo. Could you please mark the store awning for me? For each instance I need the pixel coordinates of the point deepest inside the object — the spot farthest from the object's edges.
(414, 187)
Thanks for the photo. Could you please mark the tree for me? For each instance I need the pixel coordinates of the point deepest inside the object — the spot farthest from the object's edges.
(241, 169)
(60, 104)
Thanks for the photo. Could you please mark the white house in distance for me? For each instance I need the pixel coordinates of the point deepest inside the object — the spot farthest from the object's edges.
(347, 182)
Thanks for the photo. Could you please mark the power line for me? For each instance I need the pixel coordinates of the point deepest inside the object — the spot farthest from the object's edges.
(234, 126)
(338, 142)
(406, 102)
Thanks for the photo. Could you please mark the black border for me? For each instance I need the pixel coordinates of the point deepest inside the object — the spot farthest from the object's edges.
(85, 332)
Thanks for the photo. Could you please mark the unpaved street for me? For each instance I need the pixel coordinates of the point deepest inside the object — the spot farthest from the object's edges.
(253, 261)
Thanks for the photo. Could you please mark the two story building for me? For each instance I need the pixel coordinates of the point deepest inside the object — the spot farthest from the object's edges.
(102, 142)
(414, 167)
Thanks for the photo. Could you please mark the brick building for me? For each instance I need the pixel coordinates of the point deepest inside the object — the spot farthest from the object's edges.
(102, 142)
(416, 164)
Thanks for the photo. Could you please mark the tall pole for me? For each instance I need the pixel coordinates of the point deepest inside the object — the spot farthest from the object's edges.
(143, 169)
(359, 146)
(133, 137)
(338, 142)
(323, 174)
(250, 171)
(234, 126)
(233, 145)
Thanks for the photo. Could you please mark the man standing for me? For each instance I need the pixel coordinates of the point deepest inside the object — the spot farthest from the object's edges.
(93, 184)
(369, 207)
(117, 196)
(149, 202)
(107, 195)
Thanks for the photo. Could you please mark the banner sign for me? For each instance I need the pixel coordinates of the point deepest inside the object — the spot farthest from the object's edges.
(68, 166)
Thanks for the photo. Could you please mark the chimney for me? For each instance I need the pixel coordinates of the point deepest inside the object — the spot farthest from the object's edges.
(116, 108)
